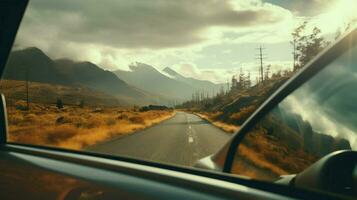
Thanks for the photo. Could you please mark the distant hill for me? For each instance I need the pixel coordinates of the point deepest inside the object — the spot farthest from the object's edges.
(148, 78)
(176, 86)
(36, 66)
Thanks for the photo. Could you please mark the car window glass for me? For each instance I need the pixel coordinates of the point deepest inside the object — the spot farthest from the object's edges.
(163, 81)
(315, 120)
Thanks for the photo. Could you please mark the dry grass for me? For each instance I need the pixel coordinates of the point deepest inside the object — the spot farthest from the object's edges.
(74, 127)
(212, 118)
(269, 157)
(261, 156)
(243, 113)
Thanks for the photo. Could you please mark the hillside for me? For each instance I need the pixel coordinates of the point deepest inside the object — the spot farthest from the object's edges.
(36, 66)
(236, 100)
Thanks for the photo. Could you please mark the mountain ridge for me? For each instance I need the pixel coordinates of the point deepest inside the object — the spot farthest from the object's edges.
(165, 82)
(34, 65)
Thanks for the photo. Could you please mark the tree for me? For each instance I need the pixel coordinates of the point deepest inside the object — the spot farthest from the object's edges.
(347, 26)
(306, 47)
(267, 72)
(234, 82)
(296, 38)
(248, 82)
(241, 79)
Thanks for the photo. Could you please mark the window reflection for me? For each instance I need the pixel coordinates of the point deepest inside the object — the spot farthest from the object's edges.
(315, 120)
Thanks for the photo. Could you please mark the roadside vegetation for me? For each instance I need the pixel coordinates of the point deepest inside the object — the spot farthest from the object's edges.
(76, 127)
(212, 118)
(265, 154)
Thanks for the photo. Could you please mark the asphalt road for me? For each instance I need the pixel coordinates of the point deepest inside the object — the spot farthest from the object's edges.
(182, 140)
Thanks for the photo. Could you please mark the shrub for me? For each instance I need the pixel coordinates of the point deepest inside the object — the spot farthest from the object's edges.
(122, 116)
(15, 119)
(110, 122)
(61, 120)
(30, 118)
(59, 103)
(59, 134)
(136, 120)
(21, 105)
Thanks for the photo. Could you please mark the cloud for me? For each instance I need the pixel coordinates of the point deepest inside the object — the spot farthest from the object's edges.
(132, 24)
(216, 75)
(304, 7)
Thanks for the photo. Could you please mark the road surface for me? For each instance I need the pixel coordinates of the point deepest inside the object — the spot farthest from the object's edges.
(181, 140)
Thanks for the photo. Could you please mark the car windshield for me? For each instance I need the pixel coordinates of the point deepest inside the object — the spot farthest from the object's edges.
(162, 81)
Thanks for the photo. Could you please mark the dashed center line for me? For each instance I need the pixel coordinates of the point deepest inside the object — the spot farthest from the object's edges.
(189, 132)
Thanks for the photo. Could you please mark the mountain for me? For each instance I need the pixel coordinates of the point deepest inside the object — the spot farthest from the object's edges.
(36, 66)
(174, 85)
(148, 78)
(198, 84)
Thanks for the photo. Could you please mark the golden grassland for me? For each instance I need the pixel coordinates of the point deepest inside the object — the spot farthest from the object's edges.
(74, 127)
(46, 93)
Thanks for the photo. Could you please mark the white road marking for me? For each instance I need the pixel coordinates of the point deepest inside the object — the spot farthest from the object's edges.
(189, 126)
(190, 139)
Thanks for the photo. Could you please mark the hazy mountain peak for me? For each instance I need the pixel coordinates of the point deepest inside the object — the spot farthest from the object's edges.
(33, 49)
(171, 72)
(141, 67)
(33, 52)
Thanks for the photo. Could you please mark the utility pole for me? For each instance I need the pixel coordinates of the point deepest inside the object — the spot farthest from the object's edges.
(261, 68)
(294, 54)
(27, 88)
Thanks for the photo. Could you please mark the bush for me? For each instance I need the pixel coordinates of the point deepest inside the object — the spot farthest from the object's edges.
(21, 105)
(110, 122)
(122, 117)
(136, 120)
(62, 120)
(55, 135)
(59, 103)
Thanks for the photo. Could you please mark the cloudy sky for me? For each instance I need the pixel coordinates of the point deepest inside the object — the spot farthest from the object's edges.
(205, 39)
